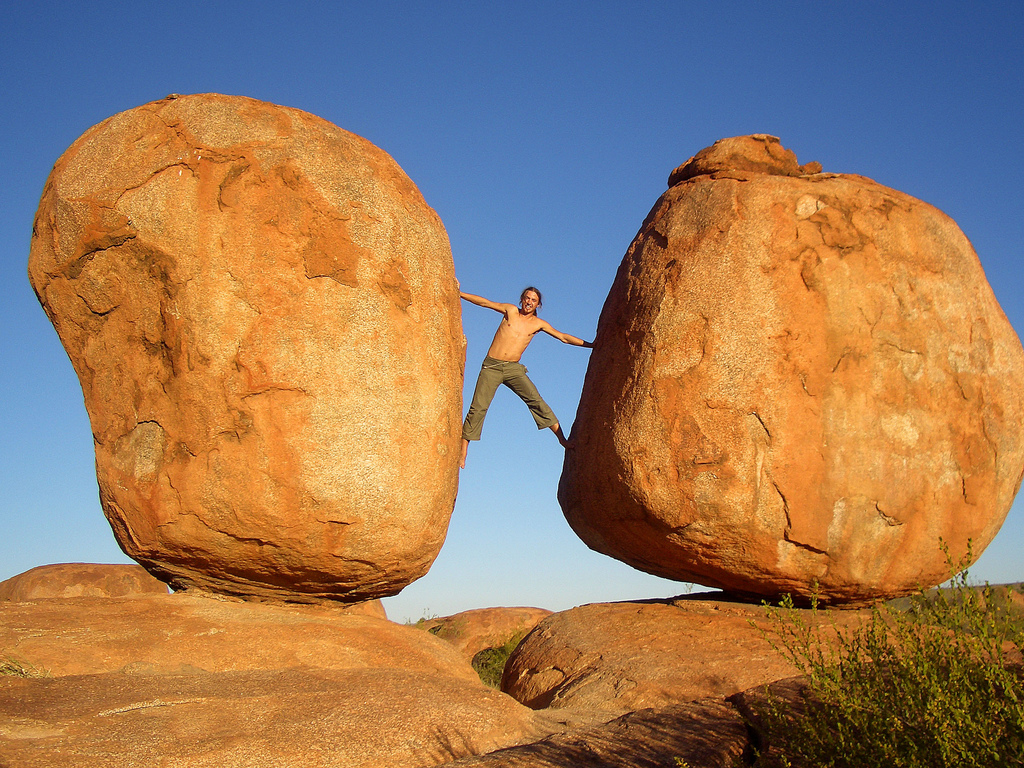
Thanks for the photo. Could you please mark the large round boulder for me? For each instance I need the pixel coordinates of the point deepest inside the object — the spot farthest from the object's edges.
(801, 382)
(263, 314)
(653, 653)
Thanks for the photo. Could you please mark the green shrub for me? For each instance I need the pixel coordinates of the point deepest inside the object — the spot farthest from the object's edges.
(12, 667)
(926, 686)
(448, 629)
(421, 622)
(490, 662)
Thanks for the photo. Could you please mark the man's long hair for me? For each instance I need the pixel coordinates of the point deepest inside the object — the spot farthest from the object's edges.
(527, 289)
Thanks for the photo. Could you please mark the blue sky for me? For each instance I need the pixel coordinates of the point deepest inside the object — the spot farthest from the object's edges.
(542, 133)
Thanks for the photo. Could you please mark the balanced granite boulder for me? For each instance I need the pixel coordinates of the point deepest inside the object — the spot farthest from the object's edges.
(801, 382)
(263, 314)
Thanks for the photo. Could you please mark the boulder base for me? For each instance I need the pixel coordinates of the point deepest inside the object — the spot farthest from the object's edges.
(172, 634)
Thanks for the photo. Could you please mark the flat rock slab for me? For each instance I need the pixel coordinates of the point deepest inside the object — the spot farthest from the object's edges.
(265, 719)
(708, 733)
(183, 633)
(628, 656)
(81, 580)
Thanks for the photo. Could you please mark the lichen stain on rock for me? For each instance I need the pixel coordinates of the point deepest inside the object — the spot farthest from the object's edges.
(140, 453)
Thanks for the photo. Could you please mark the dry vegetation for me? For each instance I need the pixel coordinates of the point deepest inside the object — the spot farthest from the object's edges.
(932, 682)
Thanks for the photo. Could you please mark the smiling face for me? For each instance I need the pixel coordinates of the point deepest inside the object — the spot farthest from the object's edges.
(529, 302)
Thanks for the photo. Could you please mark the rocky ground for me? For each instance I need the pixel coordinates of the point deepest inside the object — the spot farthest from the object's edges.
(116, 678)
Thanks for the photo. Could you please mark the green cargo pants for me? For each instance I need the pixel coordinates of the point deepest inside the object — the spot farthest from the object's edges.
(513, 375)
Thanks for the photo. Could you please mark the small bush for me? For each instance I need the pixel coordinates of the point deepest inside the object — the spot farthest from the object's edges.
(490, 662)
(929, 686)
(448, 629)
(12, 667)
(421, 622)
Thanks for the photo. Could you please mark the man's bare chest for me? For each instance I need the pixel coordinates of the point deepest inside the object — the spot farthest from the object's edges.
(519, 327)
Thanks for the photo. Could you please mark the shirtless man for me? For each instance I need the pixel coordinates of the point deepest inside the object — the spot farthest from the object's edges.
(502, 366)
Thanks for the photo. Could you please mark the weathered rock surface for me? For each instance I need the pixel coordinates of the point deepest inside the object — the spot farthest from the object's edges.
(707, 733)
(202, 682)
(356, 718)
(179, 633)
(628, 656)
(81, 580)
(263, 314)
(798, 378)
(474, 631)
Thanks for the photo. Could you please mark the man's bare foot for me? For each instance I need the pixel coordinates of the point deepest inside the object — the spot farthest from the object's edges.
(557, 429)
(465, 452)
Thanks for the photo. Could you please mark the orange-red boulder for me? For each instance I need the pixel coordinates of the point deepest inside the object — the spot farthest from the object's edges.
(631, 655)
(799, 379)
(263, 314)
(80, 580)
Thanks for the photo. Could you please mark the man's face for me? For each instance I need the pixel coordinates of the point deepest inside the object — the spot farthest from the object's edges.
(530, 302)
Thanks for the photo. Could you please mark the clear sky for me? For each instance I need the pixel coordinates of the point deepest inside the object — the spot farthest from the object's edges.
(542, 133)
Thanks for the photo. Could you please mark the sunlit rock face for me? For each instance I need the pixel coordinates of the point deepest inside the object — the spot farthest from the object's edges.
(263, 314)
(800, 381)
(652, 653)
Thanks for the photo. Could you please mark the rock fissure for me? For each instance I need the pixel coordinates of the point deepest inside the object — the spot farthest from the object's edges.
(148, 705)
(152, 175)
(802, 378)
(842, 356)
(785, 510)
(805, 546)
(985, 426)
(764, 426)
(901, 349)
(274, 389)
(960, 387)
(177, 493)
(74, 268)
(889, 519)
(872, 324)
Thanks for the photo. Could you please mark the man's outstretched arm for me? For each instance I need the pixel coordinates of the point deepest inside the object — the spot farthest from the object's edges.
(480, 301)
(566, 338)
